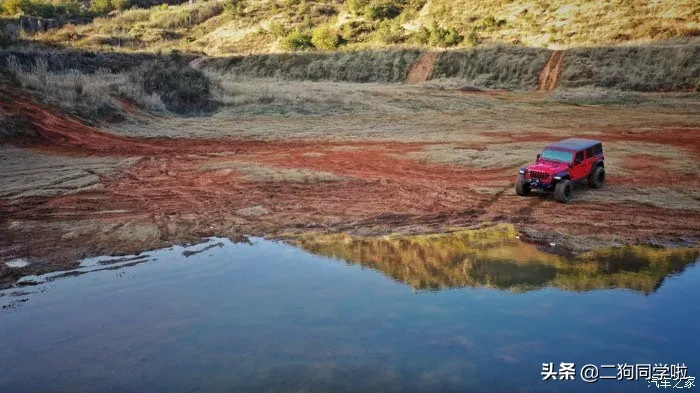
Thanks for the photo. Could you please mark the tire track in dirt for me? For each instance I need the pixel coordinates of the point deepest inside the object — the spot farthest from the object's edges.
(422, 68)
(552, 70)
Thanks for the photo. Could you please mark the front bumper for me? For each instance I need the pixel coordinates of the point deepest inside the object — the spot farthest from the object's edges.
(539, 184)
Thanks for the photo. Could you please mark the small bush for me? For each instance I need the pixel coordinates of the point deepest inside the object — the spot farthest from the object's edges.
(181, 17)
(297, 40)
(235, 7)
(354, 31)
(381, 11)
(181, 88)
(422, 35)
(473, 38)
(325, 38)
(357, 7)
(440, 36)
(489, 23)
(278, 29)
(391, 33)
(14, 7)
(102, 6)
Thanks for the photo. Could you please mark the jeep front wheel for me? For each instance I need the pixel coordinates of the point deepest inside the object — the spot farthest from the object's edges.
(521, 188)
(597, 178)
(562, 191)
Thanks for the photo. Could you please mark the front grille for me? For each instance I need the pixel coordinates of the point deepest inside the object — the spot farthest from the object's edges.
(539, 175)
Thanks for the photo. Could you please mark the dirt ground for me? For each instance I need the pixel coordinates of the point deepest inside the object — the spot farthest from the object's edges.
(73, 191)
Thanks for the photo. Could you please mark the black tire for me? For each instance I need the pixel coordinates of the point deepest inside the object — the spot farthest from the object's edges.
(521, 188)
(597, 178)
(562, 191)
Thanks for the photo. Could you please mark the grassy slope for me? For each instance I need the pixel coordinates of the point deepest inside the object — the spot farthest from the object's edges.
(207, 27)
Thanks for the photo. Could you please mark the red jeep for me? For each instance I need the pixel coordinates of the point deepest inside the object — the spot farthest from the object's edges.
(562, 163)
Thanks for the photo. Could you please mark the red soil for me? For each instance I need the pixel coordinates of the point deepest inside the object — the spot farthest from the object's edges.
(551, 72)
(420, 70)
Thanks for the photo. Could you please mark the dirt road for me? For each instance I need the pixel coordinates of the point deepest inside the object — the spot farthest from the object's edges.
(154, 192)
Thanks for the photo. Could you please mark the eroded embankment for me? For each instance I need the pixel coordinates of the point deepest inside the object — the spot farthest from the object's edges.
(180, 190)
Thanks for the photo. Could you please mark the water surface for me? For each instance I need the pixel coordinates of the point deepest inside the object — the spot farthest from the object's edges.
(270, 317)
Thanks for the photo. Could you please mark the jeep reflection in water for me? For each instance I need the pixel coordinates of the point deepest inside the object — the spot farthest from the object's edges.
(562, 163)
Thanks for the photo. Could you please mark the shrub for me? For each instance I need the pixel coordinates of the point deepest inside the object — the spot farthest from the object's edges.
(121, 4)
(14, 7)
(325, 38)
(473, 38)
(235, 7)
(297, 40)
(102, 6)
(440, 36)
(381, 11)
(278, 29)
(179, 17)
(357, 7)
(391, 33)
(181, 88)
(70, 8)
(422, 35)
(355, 30)
(489, 23)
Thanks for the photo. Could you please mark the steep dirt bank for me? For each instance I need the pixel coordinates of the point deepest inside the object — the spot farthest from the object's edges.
(552, 70)
(179, 190)
(420, 70)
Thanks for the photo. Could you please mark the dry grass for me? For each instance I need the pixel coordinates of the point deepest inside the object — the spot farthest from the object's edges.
(365, 66)
(282, 97)
(267, 174)
(605, 96)
(32, 174)
(668, 198)
(507, 155)
(619, 155)
(406, 113)
(162, 85)
(86, 95)
(498, 67)
(639, 68)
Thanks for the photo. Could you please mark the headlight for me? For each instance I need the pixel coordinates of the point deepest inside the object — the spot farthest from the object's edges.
(557, 177)
(522, 171)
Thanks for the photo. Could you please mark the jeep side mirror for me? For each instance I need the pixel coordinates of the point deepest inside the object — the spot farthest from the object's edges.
(538, 156)
(578, 161)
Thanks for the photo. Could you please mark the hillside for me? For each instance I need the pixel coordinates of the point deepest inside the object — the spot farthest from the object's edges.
(262, 26)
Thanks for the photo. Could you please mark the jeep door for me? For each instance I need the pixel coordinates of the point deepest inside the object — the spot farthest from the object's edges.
(590, 160)
(578, 167)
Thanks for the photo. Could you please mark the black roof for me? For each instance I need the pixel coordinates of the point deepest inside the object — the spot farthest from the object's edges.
(574, 144)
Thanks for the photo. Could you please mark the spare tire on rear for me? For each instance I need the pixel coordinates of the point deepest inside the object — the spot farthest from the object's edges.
(562, 191)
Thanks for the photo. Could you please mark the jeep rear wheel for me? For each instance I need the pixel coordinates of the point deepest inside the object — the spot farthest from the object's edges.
(597, 178)
(562, 191)
(521, 188)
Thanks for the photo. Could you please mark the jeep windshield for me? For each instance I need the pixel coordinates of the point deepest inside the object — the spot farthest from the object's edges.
(557, 155)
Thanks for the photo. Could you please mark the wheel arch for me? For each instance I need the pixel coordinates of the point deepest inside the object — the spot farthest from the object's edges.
(565, 175)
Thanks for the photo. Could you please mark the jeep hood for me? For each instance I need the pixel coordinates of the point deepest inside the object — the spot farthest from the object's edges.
(552, 167)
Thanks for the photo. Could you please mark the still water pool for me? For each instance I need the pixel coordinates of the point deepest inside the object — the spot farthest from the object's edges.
(331, 316)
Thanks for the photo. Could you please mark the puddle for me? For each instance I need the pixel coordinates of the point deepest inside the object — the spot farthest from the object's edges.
(469, 311)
